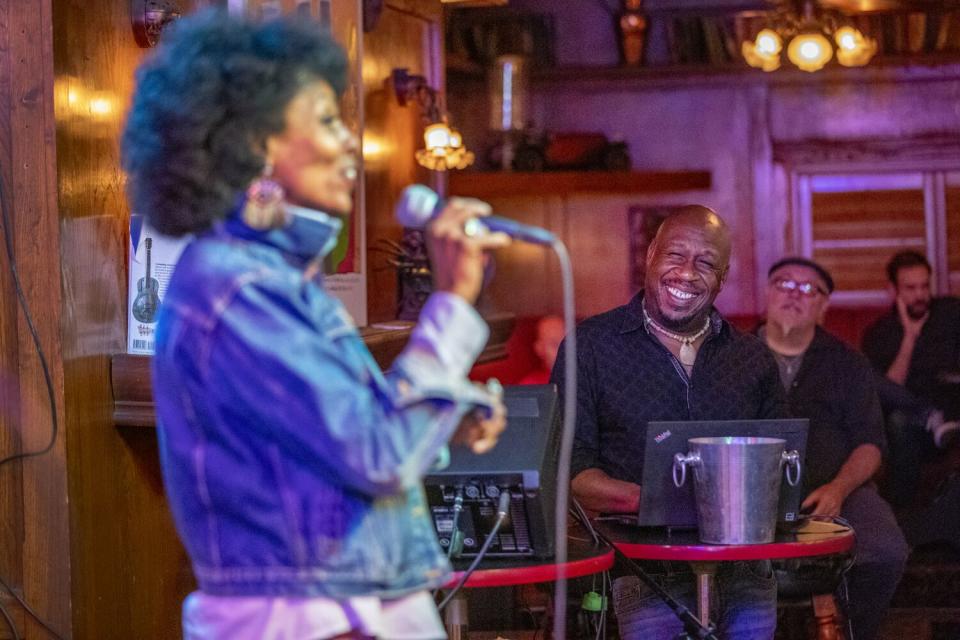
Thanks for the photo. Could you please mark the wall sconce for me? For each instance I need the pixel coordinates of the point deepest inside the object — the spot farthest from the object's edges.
(808, 47)
(149, 17)
(443, 145)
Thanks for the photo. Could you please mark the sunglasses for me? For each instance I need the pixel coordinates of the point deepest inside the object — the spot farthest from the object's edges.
(807, 289)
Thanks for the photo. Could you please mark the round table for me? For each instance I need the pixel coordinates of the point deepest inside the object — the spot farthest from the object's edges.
(655, 543)
(583, 558)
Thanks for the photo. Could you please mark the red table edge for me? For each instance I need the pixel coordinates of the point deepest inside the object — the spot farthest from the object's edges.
(768, 551)
(546, 572)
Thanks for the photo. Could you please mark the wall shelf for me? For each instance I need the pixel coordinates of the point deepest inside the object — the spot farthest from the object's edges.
(133, 395)
(945, 66)
(492, 184)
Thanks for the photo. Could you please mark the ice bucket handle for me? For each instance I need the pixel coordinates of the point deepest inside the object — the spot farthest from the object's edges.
(792, 460)
(680, 463)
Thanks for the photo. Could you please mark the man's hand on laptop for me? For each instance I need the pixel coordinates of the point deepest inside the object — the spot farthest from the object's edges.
(825, 500)
(599, 493)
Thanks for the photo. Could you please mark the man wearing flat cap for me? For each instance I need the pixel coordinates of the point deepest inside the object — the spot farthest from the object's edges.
(835, 388)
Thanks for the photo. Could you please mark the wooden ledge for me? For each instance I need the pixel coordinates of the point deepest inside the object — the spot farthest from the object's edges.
(492, 184)
(133, 394)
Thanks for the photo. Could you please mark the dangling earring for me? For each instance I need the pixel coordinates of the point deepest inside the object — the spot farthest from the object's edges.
(263, 208)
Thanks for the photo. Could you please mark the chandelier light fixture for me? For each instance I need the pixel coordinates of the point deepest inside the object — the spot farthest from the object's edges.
(810, 36)
(443, 145)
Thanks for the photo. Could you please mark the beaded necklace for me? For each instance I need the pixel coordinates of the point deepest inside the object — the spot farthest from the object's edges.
(688, 355)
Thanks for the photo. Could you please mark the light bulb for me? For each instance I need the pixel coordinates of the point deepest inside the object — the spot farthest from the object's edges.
(768, 42)
(444, 149)
(436, 136)
(847, 37)
(853, 48)
(810, 51)
(755, 58)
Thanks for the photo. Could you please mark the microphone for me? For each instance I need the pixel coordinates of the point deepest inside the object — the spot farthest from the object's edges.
(418, 205)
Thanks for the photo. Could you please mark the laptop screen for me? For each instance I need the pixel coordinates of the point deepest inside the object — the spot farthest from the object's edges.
(663, 504)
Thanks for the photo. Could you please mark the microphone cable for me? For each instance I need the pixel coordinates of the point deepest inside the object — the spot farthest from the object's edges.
(503, 508)
(454, 529)
(455, 535)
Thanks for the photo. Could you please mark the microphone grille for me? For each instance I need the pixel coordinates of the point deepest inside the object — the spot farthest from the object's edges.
(416, 206)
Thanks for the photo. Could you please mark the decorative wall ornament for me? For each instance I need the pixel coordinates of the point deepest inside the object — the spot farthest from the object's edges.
(443, 145)
(149, 17)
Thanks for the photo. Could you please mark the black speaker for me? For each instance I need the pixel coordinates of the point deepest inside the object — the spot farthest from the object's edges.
(524, 462)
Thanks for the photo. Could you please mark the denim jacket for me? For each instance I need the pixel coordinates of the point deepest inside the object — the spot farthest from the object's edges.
(292, 464)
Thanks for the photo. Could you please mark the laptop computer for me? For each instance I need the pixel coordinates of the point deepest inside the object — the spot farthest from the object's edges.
(664, 505)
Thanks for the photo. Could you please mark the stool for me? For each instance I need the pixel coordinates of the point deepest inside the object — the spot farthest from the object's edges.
(815, 579)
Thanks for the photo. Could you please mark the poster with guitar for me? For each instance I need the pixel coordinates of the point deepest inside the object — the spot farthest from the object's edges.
(152, 259)
(147, 302)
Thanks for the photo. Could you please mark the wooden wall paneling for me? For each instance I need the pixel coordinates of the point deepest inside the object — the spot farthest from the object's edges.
(407, 35)
(525, 277)
(95, 56)
(29, 182)
(601, 247)
(129, 569)
(11, 486)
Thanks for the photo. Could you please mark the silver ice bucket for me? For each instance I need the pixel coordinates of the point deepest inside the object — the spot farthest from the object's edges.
(736, 481)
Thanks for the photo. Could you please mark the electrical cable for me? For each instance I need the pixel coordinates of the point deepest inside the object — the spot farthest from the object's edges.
(29, 609)
(602, 623)
(503, 508)
(457, 508)
(581, 515)
(10, 624)
(22, 300)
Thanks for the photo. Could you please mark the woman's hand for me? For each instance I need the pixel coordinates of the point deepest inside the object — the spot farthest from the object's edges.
(479, 431)
(458, 260)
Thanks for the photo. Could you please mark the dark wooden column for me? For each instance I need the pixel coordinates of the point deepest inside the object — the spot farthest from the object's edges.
(35, 531)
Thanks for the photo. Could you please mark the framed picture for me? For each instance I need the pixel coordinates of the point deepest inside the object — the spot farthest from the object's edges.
(644, 221)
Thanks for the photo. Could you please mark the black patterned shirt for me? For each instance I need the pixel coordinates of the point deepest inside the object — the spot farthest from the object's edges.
(626, 378)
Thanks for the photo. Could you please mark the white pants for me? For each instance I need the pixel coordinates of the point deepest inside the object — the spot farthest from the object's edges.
(206, 617)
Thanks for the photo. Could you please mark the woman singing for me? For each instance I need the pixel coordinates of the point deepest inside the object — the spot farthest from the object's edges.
(292, 463)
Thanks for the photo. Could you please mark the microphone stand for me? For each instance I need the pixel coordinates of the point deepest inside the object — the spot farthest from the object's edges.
(693, 628)
(566, 441)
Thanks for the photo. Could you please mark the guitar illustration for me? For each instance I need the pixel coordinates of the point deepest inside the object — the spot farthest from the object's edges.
(148, 293)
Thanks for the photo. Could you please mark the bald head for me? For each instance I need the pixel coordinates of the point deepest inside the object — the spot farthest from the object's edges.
(703, 219)
(687, 264)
